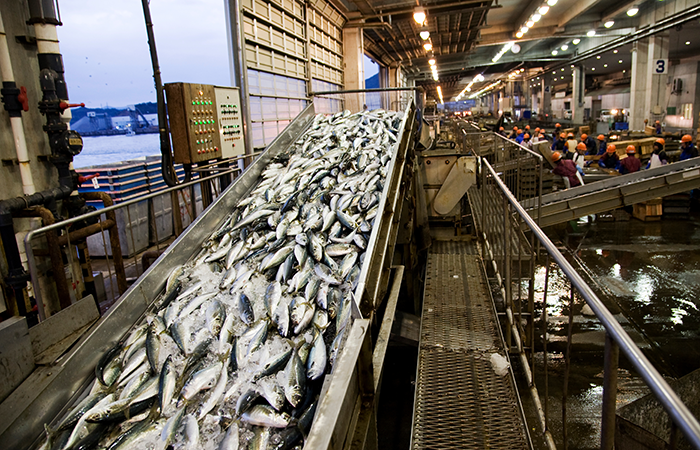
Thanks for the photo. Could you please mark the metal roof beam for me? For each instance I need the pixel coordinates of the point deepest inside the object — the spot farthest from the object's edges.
(578, 9)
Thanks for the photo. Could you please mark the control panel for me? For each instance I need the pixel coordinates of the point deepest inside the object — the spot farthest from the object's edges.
(193, 122)
(228, 101)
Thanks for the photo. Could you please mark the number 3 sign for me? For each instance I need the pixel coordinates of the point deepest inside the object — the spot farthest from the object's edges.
(661, 66)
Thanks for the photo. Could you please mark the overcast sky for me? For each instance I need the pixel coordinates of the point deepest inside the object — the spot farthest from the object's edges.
(106, 56)
(105, 48)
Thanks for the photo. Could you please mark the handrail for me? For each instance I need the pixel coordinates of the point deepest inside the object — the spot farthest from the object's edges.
(676, 409)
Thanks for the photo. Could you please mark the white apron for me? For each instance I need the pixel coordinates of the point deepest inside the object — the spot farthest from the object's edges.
(655, 161)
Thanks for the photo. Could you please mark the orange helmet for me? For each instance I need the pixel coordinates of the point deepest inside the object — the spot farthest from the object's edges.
(558, 125)
(584, 136)
(515, 128)
(570, 135)
(687, 138)
(601, 137)
(660, 141)
(527, 127)
(611, 148)
(556, 156)
(657, 122)
(581, 146)
(541, 136)
(563, 135)
(631, 150)
(527, 136)
(501, 129)
(537, 129)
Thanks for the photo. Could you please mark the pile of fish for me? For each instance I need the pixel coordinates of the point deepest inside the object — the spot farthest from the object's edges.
(234, 351)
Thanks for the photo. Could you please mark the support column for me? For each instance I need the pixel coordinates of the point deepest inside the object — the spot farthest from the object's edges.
(648, 87)
(546, 108)
(354, 75)
(577, 96)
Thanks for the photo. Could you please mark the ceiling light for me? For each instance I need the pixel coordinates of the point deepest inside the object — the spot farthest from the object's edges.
(564, 47)
(597, 57)
(524, 30)
(620, 61)
(590, 33)
(615, 52)
(632, 11)
(519, 34)
(543, 10)
(431, 61)
(522, 69)
(428, 46)
(530, 23)
(605, 65)
(687, 42)
(515, 49)
(419, 15)
(551, 2)
(536, 17)
(609, 24)
(592, 68)
(576, 41)
(425, 34)
(554, 53)
(554, 73)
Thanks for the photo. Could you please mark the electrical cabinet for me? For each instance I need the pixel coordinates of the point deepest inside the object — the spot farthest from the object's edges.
(205, 122)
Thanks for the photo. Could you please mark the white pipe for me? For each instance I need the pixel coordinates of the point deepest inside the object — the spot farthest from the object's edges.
(16, 122)
(47, 42)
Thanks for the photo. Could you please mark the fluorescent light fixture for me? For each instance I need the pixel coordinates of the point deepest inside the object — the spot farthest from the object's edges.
(597, 57)
(605, 65)
(543, 10)
(592, 68)
(609, 24)
(576, 41)
(428, 46)
(519, 34)
(439, 91)
(620, 61)
(591, 33)
(522, 69)
(551, 2)
(687, 42)
(530, 23)
(419, 15)
(425, 34)
(555, 53)
(524, 30)
(562, 69)
(515, 49)
(431, 61)
(632, 11)
(564, 47)
(615, 52)
(536, 17)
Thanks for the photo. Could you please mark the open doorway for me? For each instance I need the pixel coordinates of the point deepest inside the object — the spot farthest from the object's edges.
(373, 101)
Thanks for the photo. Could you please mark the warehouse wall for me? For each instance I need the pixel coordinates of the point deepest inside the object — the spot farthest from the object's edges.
(684, 102)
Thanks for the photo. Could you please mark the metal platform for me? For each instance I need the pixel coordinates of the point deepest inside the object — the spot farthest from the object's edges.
(460, 402)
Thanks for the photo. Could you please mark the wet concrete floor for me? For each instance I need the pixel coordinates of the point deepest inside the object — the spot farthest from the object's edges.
(648, 275)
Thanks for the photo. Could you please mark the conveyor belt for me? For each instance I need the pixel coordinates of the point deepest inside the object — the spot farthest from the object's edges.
(460, 402)
(616, 192)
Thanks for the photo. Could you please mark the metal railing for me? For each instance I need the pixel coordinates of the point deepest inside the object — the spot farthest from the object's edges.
(120, 229)
(509, 236)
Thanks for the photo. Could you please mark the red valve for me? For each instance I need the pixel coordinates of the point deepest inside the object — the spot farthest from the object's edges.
(64, 105)
(22, 98)
(83, 179)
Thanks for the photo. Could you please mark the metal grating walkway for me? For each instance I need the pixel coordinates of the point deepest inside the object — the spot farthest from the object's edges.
(460, 402)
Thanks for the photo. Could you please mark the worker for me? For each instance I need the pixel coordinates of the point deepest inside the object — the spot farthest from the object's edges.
(559, 143)
(566, 169)
(526, 141)
(609, 160)
(578, 157)
(571, 144)
(521, 135)
(537, 131)
(557, 131)
(514, 133)
(589, 142)
(630, 164)
(502, 131)
(527, 129)
(657, 126)
(602, 145)
(658, 156)
(688, 150)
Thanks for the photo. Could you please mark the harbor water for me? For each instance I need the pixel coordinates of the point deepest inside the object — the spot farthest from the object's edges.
(99, 150)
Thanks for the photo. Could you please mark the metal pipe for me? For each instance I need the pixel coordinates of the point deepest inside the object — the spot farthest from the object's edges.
(678, 411)
(237, 49)
(55, 256)
(113, 237)
(8, 82)
(83, 233)
(360, 91)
